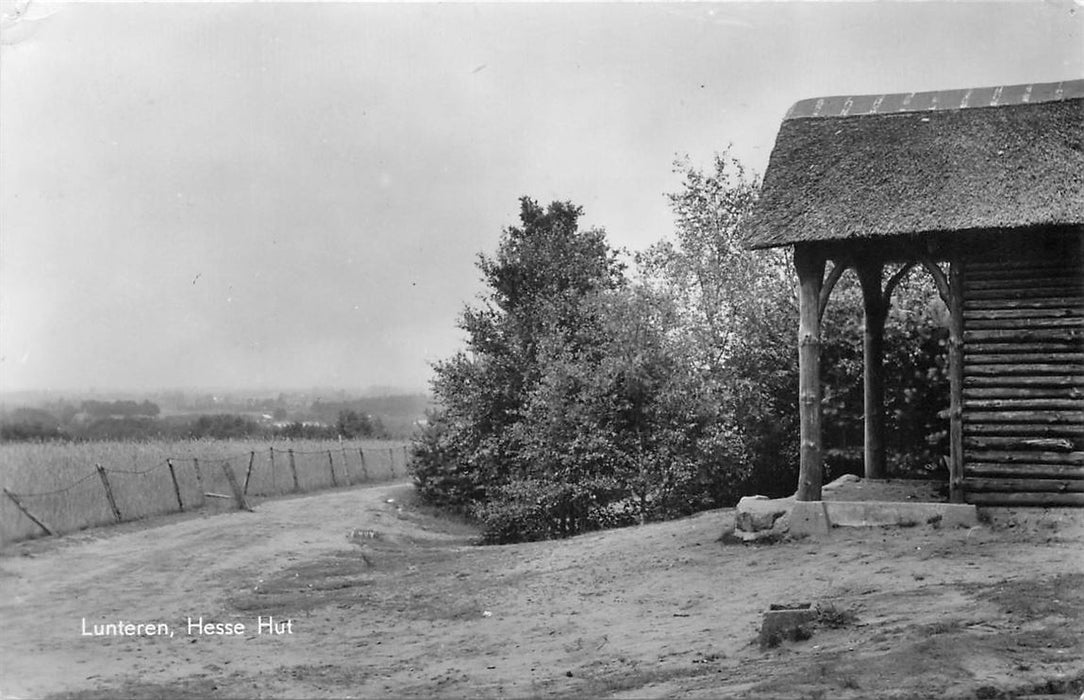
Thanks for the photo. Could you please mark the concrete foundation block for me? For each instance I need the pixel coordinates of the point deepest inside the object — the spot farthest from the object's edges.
(809, 518)
(881, 513)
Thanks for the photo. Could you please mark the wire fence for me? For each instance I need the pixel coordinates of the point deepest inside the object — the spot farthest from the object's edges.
(108, 493)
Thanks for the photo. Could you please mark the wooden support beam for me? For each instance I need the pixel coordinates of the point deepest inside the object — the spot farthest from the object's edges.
(1021, 457)
(838, 268)
(1012, 485)
(1043, 499)
(875, 307)
(955, 303)
(1020, 429)
(809, 263)
(1037, 471)
(894, 281)
(939, 279)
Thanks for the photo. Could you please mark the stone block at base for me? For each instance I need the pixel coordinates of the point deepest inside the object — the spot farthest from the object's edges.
(882, 513)
(809, 518)
(759, 513)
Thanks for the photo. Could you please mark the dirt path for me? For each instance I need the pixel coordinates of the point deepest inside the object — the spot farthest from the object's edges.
(663, 610)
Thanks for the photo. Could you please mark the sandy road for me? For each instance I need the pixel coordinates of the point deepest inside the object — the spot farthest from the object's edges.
(660, 610)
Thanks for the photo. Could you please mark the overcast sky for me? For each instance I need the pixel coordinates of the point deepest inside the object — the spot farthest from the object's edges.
(273, 195)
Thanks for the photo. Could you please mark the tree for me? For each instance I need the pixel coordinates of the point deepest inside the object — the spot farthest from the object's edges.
(739, 307)
(737, 310)
(536, 282)
(578, 404)
(353, 424)
(585, 399)
(630, 412)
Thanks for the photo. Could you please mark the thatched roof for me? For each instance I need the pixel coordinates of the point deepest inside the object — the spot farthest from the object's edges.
(845, 168)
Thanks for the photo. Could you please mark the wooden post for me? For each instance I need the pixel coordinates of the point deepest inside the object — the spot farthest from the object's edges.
(873, 411)
(248, 472)
(293, 470)
(274, 484)
(331, 468)
(346, 463)
(391, 460)
(956, 382)
(176, 486)
(406, 460)
(199, 480)
(108, 492)
(364, 469)
(809, 264)
(37, 521)
(238, 495)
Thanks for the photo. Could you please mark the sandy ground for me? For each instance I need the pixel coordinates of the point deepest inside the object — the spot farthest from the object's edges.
(663, 610)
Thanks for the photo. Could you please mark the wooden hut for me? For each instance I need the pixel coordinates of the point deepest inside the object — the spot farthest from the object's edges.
(984, 188)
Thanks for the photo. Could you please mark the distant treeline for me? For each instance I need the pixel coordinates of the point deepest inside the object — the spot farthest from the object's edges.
(130, 420)
(103, 409)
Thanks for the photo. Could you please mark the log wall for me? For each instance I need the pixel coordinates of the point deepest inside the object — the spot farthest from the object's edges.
(1023, 377)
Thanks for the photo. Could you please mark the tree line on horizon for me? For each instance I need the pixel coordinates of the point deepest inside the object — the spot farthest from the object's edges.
(104, 422)
(597, 390)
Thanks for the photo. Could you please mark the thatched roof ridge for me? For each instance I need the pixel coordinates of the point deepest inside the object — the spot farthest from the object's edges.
(848, 168)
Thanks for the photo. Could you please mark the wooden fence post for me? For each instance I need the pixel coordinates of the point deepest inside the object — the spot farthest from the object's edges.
(238, 495)
(406, 459)
(391, 460)
(274, 484)
(346, 464)
(199, 480)
(108, 492)
(364, 469)
(176, 486)
(293, 469)
(248, 472)
(37, 521)
(331, 468)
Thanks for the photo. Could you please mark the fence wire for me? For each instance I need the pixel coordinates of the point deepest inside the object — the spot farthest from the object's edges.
(108, 494)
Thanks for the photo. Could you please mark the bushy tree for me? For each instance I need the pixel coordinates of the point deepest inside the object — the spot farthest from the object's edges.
(578, 404)
(587, 399)
(738, 310)
(536, 283)
(354, 424)
(222, 426)
(30, 424)
(739, 307)
(916, 378)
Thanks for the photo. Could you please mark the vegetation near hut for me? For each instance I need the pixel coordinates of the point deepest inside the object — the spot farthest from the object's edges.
(590, 397)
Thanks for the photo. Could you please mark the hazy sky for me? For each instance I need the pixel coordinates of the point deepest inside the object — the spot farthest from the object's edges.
(276, 195)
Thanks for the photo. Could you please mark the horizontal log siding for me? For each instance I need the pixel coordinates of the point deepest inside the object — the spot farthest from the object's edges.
(1023, 381)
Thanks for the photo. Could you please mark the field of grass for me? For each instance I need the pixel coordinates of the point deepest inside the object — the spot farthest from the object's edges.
(60, 484)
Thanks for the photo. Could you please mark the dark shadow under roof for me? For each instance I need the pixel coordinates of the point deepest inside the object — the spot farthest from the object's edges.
(869, 166)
